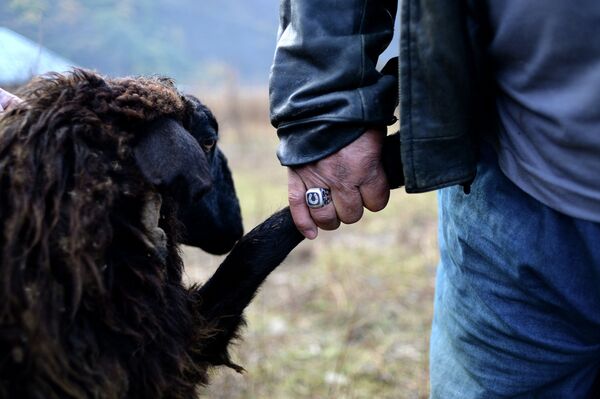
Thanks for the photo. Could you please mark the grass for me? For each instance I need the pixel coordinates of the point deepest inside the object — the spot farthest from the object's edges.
(346, 315)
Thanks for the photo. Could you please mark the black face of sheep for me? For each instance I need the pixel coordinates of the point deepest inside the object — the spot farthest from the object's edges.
(92, 304)
(211, 215)
(215, 222)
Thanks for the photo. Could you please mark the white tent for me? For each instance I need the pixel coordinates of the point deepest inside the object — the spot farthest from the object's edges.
(21, 58)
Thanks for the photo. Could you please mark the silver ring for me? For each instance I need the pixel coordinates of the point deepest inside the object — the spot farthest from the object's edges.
(317, 197)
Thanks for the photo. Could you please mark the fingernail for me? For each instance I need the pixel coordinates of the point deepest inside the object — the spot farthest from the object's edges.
(311, 234)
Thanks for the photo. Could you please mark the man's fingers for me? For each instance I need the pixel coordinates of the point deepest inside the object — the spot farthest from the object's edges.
(302, 218)
(375, 192)
(348, 204)
(355, 177)
(326, 216)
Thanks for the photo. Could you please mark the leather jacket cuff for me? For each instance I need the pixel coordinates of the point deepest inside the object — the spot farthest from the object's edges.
(311, 141)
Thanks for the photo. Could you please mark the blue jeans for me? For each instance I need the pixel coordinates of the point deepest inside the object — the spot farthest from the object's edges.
(517, 303)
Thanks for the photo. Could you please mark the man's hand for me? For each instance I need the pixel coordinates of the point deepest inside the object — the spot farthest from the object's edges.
(7, 100)
(355, 177)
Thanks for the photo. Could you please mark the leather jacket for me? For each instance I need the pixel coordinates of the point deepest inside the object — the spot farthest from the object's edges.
(325, 89)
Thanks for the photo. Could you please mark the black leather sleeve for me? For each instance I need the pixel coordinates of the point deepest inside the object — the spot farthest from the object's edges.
(325, 89)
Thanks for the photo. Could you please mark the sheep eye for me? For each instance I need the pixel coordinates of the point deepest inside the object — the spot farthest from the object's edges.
(208, 144)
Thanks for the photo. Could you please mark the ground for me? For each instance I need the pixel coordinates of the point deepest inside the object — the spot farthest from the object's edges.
(348, 314)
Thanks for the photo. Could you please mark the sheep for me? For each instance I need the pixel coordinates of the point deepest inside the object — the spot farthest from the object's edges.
(100, 180)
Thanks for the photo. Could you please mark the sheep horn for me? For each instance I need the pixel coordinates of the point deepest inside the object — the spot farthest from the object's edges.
(226, 294)
(258, 253)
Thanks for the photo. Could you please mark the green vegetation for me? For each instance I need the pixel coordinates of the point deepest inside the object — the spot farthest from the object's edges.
(347, 315)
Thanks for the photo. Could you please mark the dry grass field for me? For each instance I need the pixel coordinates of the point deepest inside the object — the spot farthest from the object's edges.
(347, 315)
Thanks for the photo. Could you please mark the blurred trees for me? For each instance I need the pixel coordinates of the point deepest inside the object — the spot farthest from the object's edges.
(180, 38)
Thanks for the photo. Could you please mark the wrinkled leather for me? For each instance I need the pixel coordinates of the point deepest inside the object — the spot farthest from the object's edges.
(325, 90)
(438, 87)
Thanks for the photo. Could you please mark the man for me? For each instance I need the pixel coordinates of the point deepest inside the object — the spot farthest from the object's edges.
(499, 99)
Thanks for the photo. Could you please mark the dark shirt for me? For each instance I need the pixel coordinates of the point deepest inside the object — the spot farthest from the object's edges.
(546, 63)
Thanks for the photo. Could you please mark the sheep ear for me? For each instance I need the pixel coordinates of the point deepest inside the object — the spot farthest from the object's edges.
(168, 155)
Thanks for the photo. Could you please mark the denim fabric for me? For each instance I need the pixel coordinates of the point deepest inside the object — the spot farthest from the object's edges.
(517, 304)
